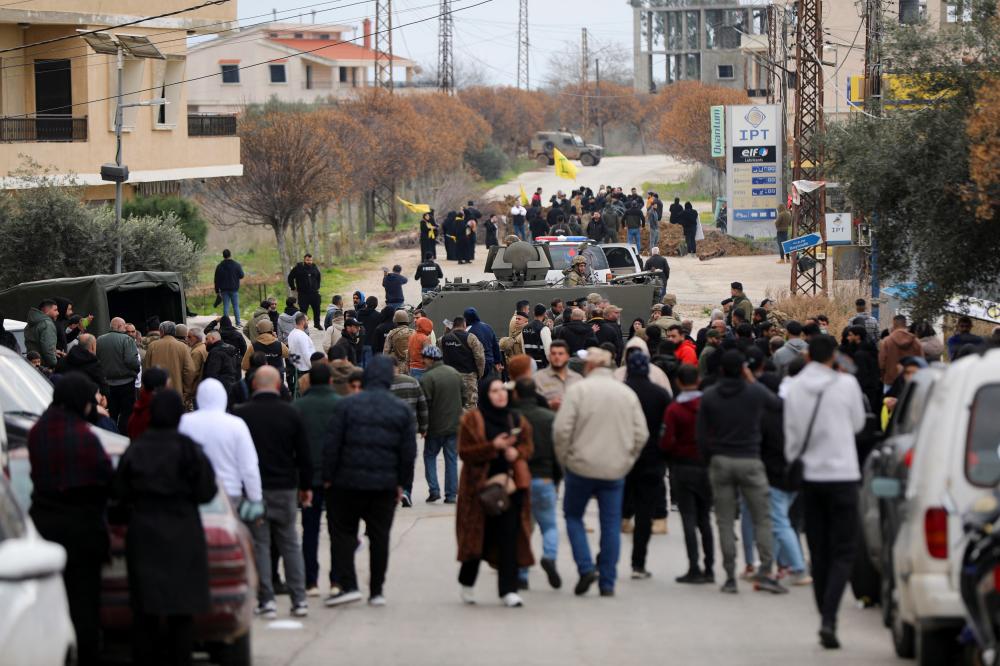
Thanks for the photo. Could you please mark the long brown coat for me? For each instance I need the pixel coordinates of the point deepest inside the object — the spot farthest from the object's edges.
(470, 520)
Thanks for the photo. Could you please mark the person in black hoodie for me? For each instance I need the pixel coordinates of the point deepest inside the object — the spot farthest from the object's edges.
(385, 324)
(83, 358)
(366, 464)
(369, 316)
(676, 211)
(223, 362)
(646, 477)
(230, 334)
(864, 353)
(577, 333)
(286, 468)
(305, 280)
(729, 437)
(689, 220)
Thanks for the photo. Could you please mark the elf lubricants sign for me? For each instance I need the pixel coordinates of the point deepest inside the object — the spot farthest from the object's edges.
(753, 168)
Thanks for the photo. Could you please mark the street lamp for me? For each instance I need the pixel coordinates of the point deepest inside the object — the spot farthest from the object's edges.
(137, 46)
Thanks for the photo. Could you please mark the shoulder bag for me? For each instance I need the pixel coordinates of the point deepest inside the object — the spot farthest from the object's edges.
(794, 472)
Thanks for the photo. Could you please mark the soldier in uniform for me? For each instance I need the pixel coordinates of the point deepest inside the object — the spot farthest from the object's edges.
(464, 352)
(397, 342)
(576, 274)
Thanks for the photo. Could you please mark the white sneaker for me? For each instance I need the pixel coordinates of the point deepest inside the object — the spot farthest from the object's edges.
(512, 600)
(342, 598)
(377, 600)
(468, 595)
(268, 611)
(312, 591)
(300, 609)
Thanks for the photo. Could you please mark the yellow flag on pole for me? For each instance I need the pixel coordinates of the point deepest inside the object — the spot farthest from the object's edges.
(524, 195)
(564, 168)
(420, 209)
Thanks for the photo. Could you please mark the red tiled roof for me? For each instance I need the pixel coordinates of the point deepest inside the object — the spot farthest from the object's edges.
(335, 51)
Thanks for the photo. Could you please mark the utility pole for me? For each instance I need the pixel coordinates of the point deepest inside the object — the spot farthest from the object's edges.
(809, 274)
(446, 54)
(382, 199)
(522, 45)
(772, 54)
(584, 77)
(873, 105)
(598, 101)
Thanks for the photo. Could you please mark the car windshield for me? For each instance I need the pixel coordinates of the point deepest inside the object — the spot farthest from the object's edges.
(619, 257)
(22, 388)
(563, 254)
(578, 141)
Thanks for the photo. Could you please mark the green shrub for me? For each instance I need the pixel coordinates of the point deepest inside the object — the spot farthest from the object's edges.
(489, 162)
(189, 219)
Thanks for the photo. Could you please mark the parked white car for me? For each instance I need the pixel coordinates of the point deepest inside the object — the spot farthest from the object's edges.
(35, 626)
(563, 249)
(16, 326)
(955, 459)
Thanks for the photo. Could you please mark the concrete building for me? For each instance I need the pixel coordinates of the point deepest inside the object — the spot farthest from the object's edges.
(57, 99)
(299, 66)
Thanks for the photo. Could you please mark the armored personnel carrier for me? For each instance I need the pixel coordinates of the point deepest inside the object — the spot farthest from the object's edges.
(520, 270)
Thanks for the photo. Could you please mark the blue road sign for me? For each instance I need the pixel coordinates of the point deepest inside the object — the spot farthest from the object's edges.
(801, 243)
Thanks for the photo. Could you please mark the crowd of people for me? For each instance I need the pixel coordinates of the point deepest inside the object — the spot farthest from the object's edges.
(756, 417)
(605, 216)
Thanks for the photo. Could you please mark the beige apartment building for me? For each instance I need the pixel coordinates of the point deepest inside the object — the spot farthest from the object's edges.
(58, 100)
(291, 62)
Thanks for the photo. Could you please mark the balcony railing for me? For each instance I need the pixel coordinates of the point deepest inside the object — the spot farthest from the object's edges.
(211, 125)
(43, 128)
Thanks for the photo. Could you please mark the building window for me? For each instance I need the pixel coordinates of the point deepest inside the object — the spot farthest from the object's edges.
(693, 67)
(674, 31)
(324, 35)
(297, 35)
(758, 21)
(692, 29)
(793, 80)
(230, 73)
(168, 75)
(343, 74)
(724, 28)
(277, 74)
(272, 35)
(725, 72)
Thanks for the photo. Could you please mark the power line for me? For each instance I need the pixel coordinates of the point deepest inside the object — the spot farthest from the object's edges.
(251, 65)
(207, 3)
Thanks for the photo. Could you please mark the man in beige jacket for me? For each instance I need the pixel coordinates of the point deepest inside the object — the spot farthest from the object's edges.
(599, 431)
(174, 357)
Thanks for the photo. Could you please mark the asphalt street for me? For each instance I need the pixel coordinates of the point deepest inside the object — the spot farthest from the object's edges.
(651, 621)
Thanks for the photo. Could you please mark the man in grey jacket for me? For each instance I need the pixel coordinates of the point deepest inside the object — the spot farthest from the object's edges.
(830, 472)
(119, 360)
(597, 448)
(794, 347)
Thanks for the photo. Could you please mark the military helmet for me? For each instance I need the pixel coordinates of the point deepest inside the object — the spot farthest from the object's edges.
(579, 259)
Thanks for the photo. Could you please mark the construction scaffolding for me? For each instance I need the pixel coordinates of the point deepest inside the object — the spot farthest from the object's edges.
(809, 274)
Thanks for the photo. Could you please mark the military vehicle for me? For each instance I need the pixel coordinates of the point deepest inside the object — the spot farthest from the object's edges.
(569, 144)
(520, 269)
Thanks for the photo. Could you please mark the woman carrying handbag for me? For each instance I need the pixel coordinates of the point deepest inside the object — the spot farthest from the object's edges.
(493, 519)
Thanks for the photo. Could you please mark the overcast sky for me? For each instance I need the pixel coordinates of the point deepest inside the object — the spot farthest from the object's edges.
(485, 35)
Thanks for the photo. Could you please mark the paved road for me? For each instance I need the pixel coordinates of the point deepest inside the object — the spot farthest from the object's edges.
(653, 621)
(626, 171)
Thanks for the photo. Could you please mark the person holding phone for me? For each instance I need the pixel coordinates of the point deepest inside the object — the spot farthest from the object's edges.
(495, 444)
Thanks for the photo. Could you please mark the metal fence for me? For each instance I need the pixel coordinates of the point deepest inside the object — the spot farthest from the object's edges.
(43, 128)
(211, 125)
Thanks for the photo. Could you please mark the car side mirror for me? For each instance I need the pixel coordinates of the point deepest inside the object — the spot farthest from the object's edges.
(884, 487)
(21, 559)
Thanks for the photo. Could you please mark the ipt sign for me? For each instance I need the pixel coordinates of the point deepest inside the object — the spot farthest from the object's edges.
(753, 168)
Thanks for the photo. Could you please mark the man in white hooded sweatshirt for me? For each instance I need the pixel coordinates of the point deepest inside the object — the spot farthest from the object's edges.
(823, 412)
(226, 442)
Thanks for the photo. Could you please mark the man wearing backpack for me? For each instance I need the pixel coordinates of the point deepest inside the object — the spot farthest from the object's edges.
(273, 349)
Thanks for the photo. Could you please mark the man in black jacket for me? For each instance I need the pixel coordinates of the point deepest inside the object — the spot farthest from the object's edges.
(729, 436)
(223, 362)
(577, 333)
(227, 284)
(286, 477)
(304, 279)
(366, 464)
(369, 316)
(429, 273)
(604, 331)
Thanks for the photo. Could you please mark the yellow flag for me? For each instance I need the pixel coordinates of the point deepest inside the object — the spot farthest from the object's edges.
(415, 208)
(564, 168)
(524, 195)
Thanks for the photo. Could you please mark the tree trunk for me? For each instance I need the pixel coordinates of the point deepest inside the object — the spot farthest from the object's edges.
(279, 236)
(370, 212)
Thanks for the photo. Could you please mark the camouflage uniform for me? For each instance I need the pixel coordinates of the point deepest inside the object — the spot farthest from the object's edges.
(470, 390)
(397, 347)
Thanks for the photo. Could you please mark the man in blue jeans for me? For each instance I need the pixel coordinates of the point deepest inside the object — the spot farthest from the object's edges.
(545, 475)
(227, 284)
(443, 389)
(597, 448)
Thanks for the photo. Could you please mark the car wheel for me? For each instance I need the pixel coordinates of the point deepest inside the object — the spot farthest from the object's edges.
(587, 160)
(902, 633)
(596, 162)
(887, 601)
(865, 582)
(935, 646)
(543, 160)
(237, 653)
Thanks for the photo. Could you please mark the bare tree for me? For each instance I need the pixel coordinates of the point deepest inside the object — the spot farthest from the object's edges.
(563, 65)
(284, 159)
